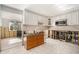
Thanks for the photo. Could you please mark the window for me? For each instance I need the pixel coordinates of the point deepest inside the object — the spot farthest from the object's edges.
(14, 26)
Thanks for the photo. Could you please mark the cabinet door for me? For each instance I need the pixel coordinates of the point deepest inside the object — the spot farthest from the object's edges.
(11, 33)
(69, 20)
(35, 19)
(31, 42)
(30, 19)
(6, 32)
(53, 20)
(40, 39)
(72, 18)
(0, 32)
(25, 18)
(14, 34)
(45, 21)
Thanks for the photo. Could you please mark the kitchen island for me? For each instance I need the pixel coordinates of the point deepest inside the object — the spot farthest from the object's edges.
(33, 40)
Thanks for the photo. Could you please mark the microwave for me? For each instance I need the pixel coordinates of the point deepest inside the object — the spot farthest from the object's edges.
(61, 23)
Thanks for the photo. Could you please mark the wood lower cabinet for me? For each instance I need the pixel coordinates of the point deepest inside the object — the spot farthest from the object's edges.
(0, 32)
(11, 33)
(3, 32)
(6, 32)
(15, 34)
(31, 42)
(40, 39)
(34, 40)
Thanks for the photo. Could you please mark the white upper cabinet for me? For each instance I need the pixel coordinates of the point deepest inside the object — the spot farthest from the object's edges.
(45, 20)
(0, 18)
(26, 18)
(75, 18)
(30, 19)
(33, 19)
(69, 19)
(72, 18)
(53, 21)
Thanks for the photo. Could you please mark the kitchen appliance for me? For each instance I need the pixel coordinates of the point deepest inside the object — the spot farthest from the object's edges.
(61, 22)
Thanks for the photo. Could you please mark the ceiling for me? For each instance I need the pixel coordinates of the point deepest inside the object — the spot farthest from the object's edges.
(47, 9)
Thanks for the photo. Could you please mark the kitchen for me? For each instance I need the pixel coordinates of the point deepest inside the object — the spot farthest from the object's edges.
(34, 22)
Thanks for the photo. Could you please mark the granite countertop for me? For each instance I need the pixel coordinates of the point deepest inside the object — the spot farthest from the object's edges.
(65, 28)
(29, 34)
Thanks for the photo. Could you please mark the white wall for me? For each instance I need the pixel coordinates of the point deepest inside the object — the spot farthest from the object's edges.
(6, 17)
(11, 15)
(5, 22)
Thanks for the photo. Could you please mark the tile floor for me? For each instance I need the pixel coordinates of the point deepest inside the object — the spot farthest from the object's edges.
(10, 42)
(51, 46)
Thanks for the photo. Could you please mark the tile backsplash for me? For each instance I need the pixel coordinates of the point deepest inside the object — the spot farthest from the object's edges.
(31, 29)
